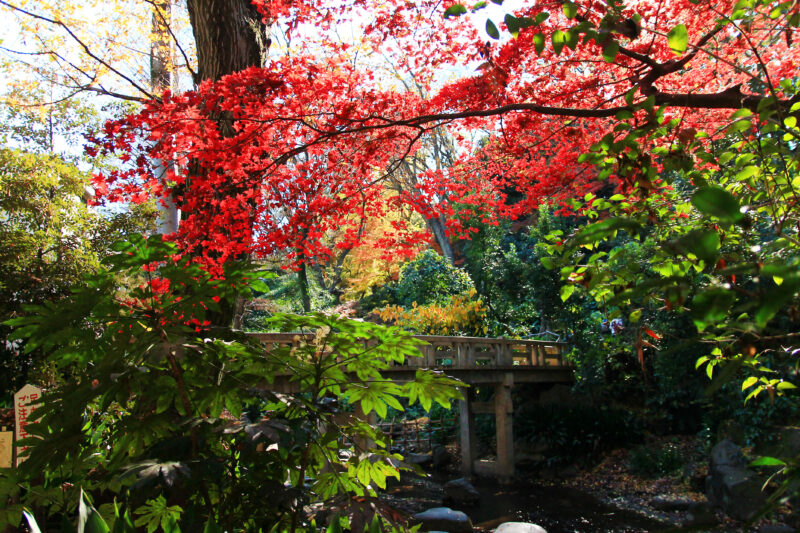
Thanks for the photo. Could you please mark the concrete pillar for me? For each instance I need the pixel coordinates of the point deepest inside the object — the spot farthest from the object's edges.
(467, 438)
(504, 418)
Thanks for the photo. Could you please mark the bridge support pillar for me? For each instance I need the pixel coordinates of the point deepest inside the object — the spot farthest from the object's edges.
(467, 434)
(504, 419)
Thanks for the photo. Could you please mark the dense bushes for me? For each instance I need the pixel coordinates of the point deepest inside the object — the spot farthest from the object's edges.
(428, 279)
(170, 418)
(577, 432)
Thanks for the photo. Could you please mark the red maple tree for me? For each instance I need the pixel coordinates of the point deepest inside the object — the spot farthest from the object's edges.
(271, 158)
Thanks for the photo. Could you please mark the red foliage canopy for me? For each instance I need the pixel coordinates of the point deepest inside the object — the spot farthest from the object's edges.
(272, 158)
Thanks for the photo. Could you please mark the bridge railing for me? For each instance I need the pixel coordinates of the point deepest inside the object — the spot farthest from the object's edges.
(463, 352)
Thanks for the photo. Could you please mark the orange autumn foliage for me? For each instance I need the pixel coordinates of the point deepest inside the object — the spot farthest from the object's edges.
(463, 314)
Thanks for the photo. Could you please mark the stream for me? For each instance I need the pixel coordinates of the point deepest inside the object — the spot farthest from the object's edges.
(556, 508)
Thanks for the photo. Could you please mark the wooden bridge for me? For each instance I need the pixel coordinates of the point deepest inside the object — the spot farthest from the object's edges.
(477, 361)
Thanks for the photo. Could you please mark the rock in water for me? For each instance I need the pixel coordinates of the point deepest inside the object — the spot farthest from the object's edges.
(519, 527)
(443, 519)
(460, 492)
(730, 485)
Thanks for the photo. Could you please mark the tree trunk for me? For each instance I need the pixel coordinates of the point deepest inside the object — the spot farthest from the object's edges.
(230, 36)
(436, 225)
(302, 280)
(161, 76)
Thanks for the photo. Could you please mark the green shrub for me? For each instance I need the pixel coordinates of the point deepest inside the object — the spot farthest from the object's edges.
(171, 418)
(577, 432)
(656, 462)
(428, 279)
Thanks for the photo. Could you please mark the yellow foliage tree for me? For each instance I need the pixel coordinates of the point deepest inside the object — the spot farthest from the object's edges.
(463, 314)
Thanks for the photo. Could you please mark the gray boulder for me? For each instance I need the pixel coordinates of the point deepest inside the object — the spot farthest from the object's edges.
(421, 459)
(519, 527)
(443, 519)
(730, 485)
(700, 514)
(460, 492)
(667, 504)
(776, 528)
(441, 457)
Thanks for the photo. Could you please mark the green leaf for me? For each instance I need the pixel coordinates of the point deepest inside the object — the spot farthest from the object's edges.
(512, 23)
(456, 10)
(89, 520)
(711, 306)
(774, 299)
(678, 39)
(570, 10)
(749, 382)
(767, 461)
(605, 229)
(610, 51)
(566, 291)
(703, 243)
(538, 43)
(559, 39)
(717, 202)
(212, 527)
(492, 30)
(34, 527)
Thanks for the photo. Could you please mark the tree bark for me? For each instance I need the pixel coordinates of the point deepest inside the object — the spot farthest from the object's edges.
(230, 36)
(302, 281)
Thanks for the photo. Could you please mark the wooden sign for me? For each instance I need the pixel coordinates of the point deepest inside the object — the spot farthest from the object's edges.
(24, 401)
(6, 448)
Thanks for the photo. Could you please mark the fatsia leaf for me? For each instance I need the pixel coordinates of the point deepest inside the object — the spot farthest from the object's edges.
(34, 527)
(89, 520)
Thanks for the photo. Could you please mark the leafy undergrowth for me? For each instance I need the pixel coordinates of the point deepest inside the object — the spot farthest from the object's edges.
(613, 481)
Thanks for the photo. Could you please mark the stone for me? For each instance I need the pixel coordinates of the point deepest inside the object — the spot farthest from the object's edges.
(776, 528)
(441, 457)
(460, 492)
(666, 504)
(443, 519)
(568, 471)
(419, 459)
(727, 453)
(785, 442)
(519, 527)
(730, 485)
(700, 514)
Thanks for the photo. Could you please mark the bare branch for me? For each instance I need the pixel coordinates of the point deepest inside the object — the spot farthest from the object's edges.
(81, 43)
